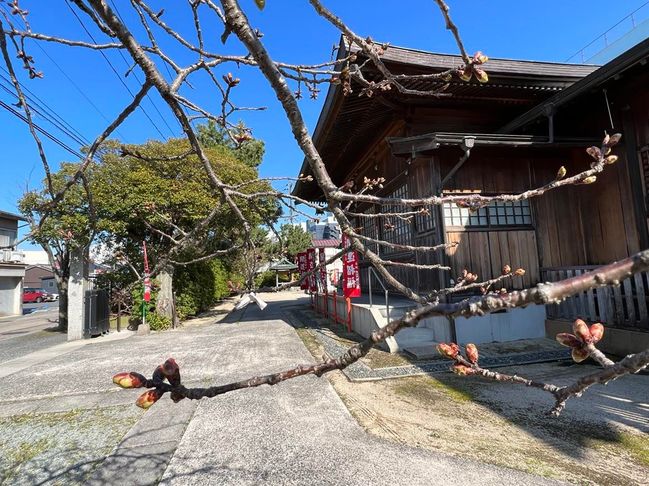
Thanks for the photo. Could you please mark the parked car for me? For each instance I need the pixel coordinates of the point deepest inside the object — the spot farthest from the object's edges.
(33, 295)
(51, 297)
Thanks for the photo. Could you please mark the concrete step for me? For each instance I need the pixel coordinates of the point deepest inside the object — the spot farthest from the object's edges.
(416, 337)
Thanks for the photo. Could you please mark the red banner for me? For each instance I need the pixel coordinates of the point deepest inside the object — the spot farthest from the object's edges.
(310, 265)
(351, 274)
(323, 269)
(147, 280)
(302, 267)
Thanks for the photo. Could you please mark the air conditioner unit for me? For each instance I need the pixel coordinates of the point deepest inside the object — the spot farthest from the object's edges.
(17, 257)
(5, 255)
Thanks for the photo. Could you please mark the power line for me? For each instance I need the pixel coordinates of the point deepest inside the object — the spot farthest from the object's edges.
(70, 80)
(38, 111)
(155, 107)
(112, 67)
(45, 132)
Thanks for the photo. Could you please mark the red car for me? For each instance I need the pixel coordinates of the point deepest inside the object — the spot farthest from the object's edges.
(34, 295)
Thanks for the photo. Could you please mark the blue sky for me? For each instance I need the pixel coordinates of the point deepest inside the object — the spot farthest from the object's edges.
(549, 30)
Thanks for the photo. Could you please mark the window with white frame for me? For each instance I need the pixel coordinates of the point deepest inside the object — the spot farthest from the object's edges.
(497, 213)
(7, 238)
(396, 229)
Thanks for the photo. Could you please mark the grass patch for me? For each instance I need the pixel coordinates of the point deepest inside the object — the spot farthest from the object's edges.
(637, 445)
(427, 389)
(309, 340)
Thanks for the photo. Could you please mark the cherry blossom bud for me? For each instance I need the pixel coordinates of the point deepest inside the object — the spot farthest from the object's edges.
(472, 353)
(569, 340)
(594, 152)
(471, 277)
(479, 58)
(607, 139)
(481, 75)
(519, 272)
(507, 270)
(561, 173)
(148, 398)
(611, 159)
(614, 139)
(449, 351)
(589, 180)
(596, 332)
(129, 380)
(579, 354)
(580, 329)
(465, 74)
(462, 370)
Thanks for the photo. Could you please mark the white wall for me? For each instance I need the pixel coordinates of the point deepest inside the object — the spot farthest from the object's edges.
(511, 325)
(10, 296)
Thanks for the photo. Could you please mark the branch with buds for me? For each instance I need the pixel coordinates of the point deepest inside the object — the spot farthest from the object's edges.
(582, 343)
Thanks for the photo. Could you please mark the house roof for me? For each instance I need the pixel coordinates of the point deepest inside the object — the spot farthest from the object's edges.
(348, 124)
(15, 217)
(625, 61)
(327, 243)
(282, 265)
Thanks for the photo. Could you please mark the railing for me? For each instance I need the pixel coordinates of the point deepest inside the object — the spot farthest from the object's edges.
(614, 33)
(624, 305)
(370, 272)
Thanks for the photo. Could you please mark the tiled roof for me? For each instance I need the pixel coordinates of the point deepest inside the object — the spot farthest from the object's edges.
(330, 243)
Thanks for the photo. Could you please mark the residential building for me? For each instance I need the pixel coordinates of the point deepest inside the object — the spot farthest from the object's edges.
(12, 267)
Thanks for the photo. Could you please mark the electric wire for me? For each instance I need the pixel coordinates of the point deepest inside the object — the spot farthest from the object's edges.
(112, 67)
(155, 107)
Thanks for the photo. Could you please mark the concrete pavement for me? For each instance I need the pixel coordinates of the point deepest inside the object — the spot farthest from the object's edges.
(298, 432)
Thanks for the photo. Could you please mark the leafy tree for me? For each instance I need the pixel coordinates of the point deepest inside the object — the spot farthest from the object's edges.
(248, 150)
(67, 227)
(294, 241)
(156, 193)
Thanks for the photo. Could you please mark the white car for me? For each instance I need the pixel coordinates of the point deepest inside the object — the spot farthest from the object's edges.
(51, 297)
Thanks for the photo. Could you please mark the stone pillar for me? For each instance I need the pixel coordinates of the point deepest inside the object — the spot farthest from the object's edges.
(76, 290)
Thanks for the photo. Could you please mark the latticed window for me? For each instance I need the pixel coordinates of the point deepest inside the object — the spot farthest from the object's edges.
(369, 228)
(497, 213)
(396, 229)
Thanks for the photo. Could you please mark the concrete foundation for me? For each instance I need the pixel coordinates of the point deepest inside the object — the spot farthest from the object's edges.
(619, 342)
(511, 325)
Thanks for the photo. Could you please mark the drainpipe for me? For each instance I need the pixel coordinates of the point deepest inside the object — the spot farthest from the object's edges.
(549, 112)
(467, 145)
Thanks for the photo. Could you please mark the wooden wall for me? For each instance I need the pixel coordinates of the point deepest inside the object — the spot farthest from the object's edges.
(491, 171)
(585, 225)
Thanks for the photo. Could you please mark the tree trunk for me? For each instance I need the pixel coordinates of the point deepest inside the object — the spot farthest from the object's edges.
(165, 302)
(63, 304)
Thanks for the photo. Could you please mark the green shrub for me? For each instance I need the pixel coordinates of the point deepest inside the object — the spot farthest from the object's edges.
(199, 286)
(157, 322)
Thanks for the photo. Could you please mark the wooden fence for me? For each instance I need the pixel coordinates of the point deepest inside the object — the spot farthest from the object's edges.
(624, 305)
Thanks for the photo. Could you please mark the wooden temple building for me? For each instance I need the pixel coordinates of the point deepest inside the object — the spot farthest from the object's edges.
(517, 130)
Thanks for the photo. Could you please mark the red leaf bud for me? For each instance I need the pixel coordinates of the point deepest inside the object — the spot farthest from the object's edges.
(579, 354)
(596, 332)
(148, 398)
(580, 329)
(450, 350)
(569, 340)
(472, 353)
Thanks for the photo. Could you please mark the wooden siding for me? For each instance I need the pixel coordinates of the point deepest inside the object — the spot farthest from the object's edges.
(486, 252)
(585, 225)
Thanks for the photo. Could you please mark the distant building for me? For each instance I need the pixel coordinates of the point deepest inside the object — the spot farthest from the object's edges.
(34, 274)
(327, 230)
(12, 266)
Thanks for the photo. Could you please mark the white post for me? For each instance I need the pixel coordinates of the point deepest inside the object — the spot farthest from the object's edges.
(76, 290)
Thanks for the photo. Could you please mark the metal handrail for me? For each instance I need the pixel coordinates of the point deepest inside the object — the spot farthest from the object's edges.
(370, 271)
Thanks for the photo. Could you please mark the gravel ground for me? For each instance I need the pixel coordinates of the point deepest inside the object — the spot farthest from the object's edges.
(60, 448)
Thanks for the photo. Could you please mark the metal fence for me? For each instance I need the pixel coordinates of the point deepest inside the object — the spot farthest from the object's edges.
(97, 313)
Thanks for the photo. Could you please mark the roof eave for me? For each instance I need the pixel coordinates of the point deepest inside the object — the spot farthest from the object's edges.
(621, 63)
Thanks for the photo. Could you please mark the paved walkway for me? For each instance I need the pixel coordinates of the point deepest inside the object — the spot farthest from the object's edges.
(296, 433)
